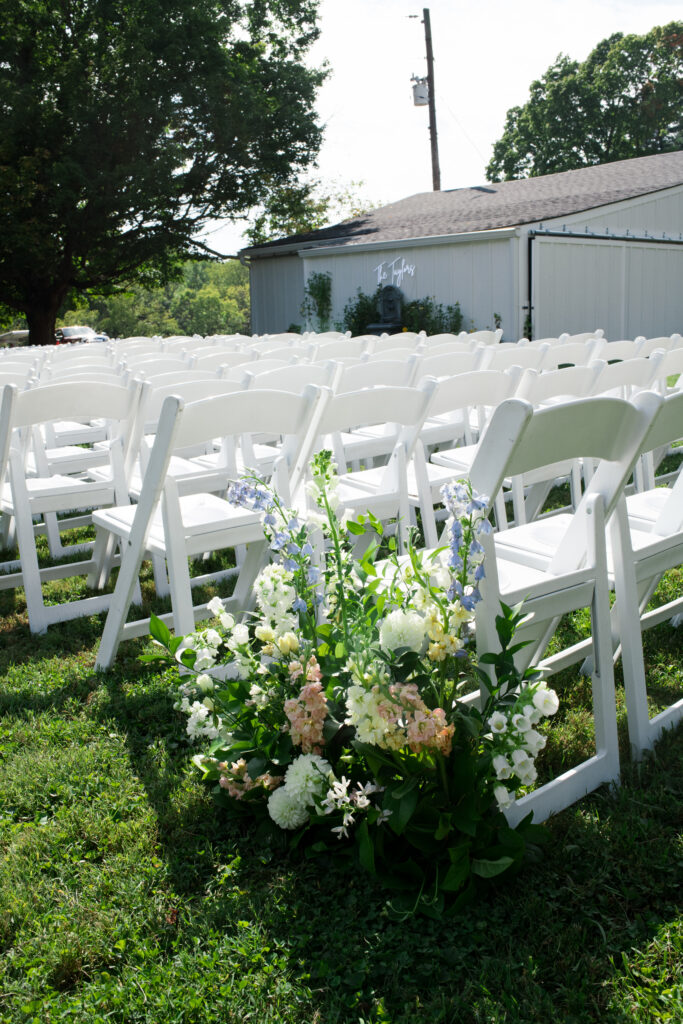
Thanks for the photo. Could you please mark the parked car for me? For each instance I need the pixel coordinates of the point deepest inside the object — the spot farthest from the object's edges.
(64, 335)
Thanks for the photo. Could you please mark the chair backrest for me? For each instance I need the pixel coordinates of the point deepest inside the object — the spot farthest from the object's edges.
(611, 351)
(215, 358)
(570, 353)
(189, 391)
(375, 372)
(584, 336)
(501, 357)
(666, 428)
(405, 340)
(483, 337)
(606, 429)
(625, 378)
(255, 365)
(254, 412)
(451, 363)
(80, 400)
(646, 346)
(569, 383)
(406, 407)
(479, 392)
(340, 347)
(294, 378)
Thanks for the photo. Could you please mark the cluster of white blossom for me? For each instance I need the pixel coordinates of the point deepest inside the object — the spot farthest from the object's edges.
(307, 781)
(517, 741)
(339, 799)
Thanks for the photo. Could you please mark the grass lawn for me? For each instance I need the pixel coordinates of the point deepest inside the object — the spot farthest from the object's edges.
(126, 896)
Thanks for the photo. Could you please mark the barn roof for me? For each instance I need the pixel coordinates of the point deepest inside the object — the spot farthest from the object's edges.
(501, 204)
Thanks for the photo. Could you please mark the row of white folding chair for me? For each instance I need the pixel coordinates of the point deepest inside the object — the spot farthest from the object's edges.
(190, 524)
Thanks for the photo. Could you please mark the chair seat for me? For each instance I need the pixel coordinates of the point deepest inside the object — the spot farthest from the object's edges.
(61, 492)
(203, 515)
(645, 506)
(459, 460)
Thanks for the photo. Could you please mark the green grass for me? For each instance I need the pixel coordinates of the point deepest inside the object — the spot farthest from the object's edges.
(127, 896)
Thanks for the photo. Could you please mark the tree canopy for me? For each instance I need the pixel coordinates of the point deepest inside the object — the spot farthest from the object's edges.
(124, 126)
(306, 206)
(625, 100)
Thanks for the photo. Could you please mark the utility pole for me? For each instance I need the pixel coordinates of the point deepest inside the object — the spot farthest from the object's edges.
(436, 172)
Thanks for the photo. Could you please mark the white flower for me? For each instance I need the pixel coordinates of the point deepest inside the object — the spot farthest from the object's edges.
(239, 637)
(523, 763)
(533, 741)
(502, 767)
(498, 723)
(402, 629)
(546, 700)
(205, 683)
(521, 723)
(286, 809)
(504, 797)
(308, 777)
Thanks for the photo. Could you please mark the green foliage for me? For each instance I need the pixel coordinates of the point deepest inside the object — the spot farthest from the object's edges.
(299, 207)
(418, 315)
(360, 312)
(625, 100)
(123, 128)
(316, 309)
(209, 298)
(432, 317)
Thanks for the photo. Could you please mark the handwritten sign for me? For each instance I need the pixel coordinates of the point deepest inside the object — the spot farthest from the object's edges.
(393, 271)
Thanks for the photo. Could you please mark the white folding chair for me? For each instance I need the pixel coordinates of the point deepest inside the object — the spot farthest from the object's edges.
(559, 565)
(176, 527)
(26, 497)
(382, 489)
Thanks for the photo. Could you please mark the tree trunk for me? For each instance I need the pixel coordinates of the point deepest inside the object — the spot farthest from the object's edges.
(42, 316)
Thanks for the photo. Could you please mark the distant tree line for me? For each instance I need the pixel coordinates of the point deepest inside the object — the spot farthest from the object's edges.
(208, 298)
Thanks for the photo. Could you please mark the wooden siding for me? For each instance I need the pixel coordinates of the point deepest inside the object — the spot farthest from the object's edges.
(481, 276)
(276, 289)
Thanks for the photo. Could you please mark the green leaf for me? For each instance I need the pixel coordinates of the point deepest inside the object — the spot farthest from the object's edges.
(444, 827)
(159, 630)
(256, 766)
(459, 870)
(491, 868)
(355, 528)
(366, 852)
(339, 650)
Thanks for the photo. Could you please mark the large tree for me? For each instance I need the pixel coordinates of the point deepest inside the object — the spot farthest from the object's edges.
(126, 124)
(624, 100)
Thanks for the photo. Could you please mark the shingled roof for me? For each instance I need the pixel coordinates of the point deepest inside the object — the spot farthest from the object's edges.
(502, 204)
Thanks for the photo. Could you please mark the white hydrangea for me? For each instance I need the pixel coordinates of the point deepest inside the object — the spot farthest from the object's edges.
(403, 629)
(308, 777)
(286, 810)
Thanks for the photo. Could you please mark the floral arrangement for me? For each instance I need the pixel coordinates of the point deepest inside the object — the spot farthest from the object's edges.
(342, 712)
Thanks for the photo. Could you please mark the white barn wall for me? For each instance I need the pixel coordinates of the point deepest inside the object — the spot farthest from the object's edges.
(626, 288)
(276, 290)
(480, 275)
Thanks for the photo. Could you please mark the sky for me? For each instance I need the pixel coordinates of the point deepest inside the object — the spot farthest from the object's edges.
(486, 54)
